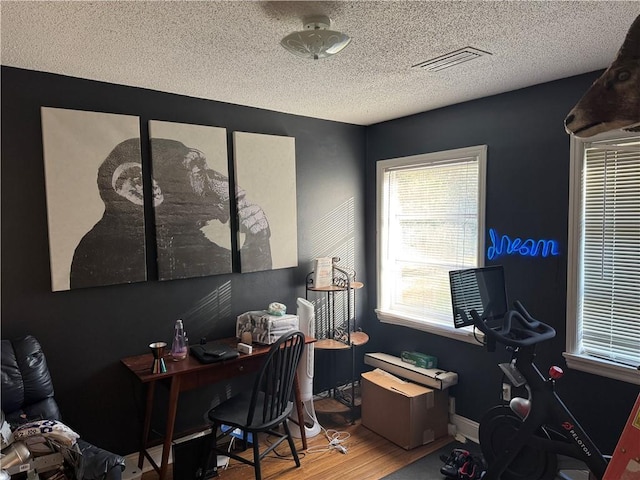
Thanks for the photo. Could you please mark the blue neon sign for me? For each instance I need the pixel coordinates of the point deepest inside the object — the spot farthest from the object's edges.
(529, 247)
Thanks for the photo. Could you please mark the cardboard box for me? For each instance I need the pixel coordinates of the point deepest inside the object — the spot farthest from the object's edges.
(421, 360)
(408, 414)
(264, 327)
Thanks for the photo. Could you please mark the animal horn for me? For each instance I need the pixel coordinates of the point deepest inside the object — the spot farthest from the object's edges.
(631, 47)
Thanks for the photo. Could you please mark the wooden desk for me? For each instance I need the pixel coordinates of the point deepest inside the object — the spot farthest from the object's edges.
(187, 375)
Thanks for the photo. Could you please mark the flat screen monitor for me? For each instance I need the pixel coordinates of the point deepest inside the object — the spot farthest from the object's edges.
(480, 289)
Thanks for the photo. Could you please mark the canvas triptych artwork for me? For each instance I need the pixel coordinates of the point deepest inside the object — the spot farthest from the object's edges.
(95, 184)
(191, 199)
(93, 171)
(266, 201)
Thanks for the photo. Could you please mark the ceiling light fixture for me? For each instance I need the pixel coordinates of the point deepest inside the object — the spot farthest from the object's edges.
(315, 41)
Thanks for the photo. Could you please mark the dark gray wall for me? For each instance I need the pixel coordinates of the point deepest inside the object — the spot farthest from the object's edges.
(527, 196)
(86, 332)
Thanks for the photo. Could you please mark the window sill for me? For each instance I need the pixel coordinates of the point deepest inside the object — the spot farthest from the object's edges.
(603, 368)
(464, 334)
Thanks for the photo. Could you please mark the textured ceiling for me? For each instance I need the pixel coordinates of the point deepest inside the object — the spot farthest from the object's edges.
(229, 51)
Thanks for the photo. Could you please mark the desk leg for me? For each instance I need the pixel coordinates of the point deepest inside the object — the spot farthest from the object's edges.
(300, 409)
(171, 420)
(151, 387)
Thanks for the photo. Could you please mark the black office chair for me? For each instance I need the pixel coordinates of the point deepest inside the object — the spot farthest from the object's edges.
(261, 410)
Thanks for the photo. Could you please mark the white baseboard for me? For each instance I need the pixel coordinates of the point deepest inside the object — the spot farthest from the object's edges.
(465, 427)
(132, 459)
(131, 472)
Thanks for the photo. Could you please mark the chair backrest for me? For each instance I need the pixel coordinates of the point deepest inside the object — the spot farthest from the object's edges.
(272, 390)
(27, 389)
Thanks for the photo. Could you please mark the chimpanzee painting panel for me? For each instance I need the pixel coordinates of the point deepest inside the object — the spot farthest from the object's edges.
(189, 168)
(93, 174)
(265, 169)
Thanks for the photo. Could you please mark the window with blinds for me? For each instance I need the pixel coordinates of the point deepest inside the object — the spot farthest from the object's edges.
(430, 221)
(610, 265)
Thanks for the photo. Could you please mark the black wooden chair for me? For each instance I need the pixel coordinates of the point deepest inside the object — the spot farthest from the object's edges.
(261, 410)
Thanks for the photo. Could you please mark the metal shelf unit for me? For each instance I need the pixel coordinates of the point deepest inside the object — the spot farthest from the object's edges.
(335, 323)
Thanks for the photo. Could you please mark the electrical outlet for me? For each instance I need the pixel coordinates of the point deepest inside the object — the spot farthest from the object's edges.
(506, 392)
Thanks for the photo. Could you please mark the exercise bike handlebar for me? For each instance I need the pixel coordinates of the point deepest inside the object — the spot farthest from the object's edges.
(518, 329)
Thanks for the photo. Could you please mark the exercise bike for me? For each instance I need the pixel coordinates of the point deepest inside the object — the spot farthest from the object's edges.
(522, 440)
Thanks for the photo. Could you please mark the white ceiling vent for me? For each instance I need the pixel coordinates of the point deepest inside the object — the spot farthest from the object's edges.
(450, 59)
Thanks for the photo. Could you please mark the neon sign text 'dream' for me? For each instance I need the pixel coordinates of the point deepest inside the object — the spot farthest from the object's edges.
(505, 245)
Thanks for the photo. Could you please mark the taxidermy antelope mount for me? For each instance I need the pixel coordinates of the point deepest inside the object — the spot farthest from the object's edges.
(613, 101)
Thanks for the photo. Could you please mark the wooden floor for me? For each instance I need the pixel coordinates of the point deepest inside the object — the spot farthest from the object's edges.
(369, 456)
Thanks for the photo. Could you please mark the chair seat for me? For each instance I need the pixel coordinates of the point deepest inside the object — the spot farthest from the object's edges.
(234, 412)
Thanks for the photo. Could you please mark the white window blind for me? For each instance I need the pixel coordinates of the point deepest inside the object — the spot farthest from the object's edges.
(610, 273)
(430, 222)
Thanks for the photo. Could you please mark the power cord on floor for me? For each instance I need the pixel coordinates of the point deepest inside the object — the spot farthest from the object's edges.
(336, 441)
(336, 445)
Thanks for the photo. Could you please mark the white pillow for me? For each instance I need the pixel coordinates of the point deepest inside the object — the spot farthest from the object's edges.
(52, 429)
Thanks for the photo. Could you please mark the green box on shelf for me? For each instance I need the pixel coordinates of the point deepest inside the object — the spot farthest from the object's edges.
(420, 360)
